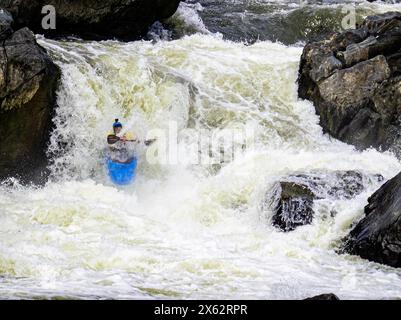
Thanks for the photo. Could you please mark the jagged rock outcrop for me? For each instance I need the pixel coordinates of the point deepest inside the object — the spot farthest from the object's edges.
(92, 19)
(28, 82)
(354, 81)
(292, 198)
(377, 237)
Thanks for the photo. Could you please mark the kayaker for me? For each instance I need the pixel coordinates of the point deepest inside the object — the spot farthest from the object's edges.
(121, 151)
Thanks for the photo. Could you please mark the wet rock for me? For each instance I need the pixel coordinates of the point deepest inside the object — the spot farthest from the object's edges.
(377, 237)
(293, 207)
(356, 52)
(328, 296)
(93, 19)
(28, 81)
(344, 86)
(354, 81)
(326, 68)
(336, 184)
(292, 198)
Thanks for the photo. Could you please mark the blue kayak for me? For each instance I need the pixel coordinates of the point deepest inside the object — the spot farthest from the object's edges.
(122, 174)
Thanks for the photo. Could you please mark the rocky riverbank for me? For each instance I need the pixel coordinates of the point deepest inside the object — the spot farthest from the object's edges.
(28, 83)
(354, 81)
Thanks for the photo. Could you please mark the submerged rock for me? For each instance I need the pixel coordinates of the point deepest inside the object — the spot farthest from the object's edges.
(293, 197)
(93, 19)
(335, 184)
(377, 237)
(28, 81)
(354, 81)
(327, 296)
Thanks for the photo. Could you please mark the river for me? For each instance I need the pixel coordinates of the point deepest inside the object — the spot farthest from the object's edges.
(190, 230)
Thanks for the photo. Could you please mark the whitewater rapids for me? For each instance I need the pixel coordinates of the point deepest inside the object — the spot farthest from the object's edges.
(184, 231)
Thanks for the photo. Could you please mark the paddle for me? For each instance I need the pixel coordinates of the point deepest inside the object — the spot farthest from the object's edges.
(112, 139)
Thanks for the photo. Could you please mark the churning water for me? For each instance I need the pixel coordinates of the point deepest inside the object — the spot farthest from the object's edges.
(184, 231)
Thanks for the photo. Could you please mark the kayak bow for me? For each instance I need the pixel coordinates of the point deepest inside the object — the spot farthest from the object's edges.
(122, 173)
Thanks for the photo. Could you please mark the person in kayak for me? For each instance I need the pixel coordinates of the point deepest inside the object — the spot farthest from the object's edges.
(120, 150)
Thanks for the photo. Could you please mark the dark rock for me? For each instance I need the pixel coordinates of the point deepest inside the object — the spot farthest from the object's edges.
(292, 198)
(28, 81)
(354, 81)
(336, 184)
(377, 237)
(326, 68)
(328, 296)
(93, 19)
(380, 24)
(294, 206)
(356, 52)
